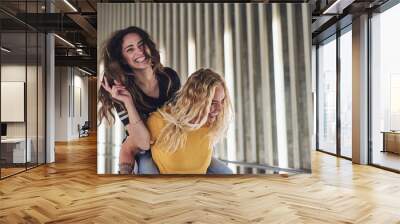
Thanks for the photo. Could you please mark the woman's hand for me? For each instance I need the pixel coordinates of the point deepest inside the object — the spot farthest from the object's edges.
(135, 127)
(117, 91)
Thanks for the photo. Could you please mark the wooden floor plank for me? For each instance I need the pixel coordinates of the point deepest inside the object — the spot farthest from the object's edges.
(70, 191)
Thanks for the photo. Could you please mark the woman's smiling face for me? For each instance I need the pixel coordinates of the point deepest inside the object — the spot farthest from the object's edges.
(217, 104)
(133, 52)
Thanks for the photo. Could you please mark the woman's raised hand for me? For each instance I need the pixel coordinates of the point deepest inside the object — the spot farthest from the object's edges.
(117, 91)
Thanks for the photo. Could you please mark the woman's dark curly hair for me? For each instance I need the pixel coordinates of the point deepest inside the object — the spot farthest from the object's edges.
(115, 68)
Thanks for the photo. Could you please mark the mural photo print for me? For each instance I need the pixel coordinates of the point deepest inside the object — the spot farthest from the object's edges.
(204, 88)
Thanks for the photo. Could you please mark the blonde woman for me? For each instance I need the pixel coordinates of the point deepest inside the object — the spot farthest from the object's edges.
(184, 131)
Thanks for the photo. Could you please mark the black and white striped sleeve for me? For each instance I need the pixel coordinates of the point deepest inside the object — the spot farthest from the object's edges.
(122, 114)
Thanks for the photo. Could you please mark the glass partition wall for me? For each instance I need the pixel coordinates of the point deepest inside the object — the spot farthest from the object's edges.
(385, 89)
(334, 94)
(22, 77)
(345, 91)
(326, 100)
(334, 98)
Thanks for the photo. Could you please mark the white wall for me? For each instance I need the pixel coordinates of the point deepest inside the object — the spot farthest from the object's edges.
(61, 103)
(12, 73)
(70, 94)
(16, 73)
(33, 127)
(80, 85)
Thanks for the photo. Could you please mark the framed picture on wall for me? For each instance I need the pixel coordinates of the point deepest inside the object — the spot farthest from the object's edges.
(186, 67)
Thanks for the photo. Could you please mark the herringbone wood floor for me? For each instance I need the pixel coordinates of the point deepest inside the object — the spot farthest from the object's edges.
(70, 191)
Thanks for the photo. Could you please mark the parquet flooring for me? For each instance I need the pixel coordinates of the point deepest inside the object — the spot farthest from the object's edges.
(70, 191)
(10, 171)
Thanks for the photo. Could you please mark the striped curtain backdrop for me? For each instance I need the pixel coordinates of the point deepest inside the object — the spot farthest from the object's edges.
(264, 53)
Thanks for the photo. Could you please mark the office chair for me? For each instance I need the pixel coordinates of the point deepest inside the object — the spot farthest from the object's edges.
(84, 130)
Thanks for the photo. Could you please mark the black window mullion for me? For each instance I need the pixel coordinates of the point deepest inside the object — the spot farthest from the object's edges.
(26, 86)
(338, 73)
(37, 89)
(369, 95)
(317, 97)
(0, 97)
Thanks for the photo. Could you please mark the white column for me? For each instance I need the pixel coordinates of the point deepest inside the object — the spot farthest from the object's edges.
(50, 92)
(360, 90)
(50, 100)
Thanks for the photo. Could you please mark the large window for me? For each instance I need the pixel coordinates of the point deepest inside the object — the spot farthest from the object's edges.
(326, 99)
(345, 92)
(385, 88)
(334, 106)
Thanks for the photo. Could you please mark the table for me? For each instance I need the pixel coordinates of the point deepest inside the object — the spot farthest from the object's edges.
(13, 150)
(391, 141)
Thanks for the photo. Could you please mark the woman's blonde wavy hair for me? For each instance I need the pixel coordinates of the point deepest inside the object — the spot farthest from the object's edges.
(190, 108)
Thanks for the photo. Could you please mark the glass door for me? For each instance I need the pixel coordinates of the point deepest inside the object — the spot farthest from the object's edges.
(326, 96)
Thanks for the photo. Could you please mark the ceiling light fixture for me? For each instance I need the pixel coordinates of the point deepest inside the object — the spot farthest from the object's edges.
(70, 5)
(64, 40)
(337, 7)
(84, 71)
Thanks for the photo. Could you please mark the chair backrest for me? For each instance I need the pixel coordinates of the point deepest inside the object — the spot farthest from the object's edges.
(86, 125)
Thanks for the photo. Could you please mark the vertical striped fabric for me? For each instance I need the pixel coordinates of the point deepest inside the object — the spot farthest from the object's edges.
(264, 53)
